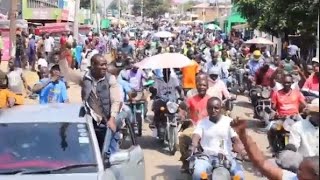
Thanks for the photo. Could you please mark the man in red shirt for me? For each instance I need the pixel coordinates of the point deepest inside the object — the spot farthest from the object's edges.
(265, 76)
(196, 106)
(311, 86)
(139, 43)
(286, 102)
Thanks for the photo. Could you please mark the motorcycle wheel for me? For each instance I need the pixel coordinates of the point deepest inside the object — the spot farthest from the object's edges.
(221, 173)
(172, 140)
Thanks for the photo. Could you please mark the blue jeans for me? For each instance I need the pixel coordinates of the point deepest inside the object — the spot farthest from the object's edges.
(205, 165)
(111, 139)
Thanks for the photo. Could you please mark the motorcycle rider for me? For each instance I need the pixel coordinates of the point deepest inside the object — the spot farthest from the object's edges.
(219, 66)
(126, 48)
(216, 138)
(253, 66)
(196, 108)
(135, 77)
(286, 102)
(311, 86)
(217, 88)
(304, 135)
(164, 89)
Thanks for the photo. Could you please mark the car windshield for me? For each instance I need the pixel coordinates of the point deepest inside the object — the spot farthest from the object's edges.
(44, 146)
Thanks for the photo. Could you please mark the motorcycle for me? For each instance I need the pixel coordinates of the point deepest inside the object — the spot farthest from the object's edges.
(168, 125)
(137, 108)
(221, 166)
(236, 78)
(261, 101)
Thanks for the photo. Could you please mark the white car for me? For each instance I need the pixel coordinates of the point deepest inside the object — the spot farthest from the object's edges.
(51, 142)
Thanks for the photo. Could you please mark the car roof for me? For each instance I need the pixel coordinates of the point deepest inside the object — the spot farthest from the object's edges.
(42, 114)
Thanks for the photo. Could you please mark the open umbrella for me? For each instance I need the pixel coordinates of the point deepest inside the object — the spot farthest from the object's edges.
(163, 34)
(212, 27)
(165, 60)
(259, 40)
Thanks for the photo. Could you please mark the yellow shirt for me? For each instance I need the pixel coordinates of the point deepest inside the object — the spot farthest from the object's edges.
(5, 94)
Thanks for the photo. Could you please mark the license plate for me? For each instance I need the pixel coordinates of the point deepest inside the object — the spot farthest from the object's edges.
(138, 111)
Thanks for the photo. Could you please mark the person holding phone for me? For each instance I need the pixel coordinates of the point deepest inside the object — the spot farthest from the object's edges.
(51, 89)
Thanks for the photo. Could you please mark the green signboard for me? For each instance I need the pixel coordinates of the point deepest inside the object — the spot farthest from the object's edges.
(105, 23)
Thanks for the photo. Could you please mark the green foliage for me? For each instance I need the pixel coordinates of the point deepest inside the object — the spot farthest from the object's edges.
(281, 16)
(151, 8)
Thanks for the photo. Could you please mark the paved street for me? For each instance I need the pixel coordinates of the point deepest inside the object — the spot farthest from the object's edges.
(160, 165)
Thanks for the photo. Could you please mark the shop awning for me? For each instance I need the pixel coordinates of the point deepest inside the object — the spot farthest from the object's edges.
(236, 18)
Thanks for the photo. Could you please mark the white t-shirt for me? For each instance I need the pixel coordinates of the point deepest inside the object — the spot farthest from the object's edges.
(167, 91)
(42, 62)
(216, 137)
(305, 137)
(48, 44)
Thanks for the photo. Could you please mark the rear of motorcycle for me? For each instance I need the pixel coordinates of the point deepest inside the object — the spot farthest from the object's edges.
(260, 99)
(279, 137)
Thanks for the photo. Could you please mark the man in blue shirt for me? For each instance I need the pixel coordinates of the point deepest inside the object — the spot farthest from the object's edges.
(51, 89)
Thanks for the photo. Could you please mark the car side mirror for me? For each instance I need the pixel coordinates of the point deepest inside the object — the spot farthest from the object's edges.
(119, 158)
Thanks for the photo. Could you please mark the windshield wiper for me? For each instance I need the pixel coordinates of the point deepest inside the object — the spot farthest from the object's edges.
(63, 168)
(12, 172)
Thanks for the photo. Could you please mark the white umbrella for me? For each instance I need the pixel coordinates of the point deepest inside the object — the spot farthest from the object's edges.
(165, 60)
(213, 27)
(164, 34)
(259, 40)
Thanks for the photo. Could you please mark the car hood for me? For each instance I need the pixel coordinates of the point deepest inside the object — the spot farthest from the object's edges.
(78, 176)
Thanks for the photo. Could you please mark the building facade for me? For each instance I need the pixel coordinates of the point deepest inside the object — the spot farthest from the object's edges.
(48, 10)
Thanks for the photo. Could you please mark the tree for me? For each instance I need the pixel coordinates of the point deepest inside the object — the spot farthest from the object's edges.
(282, 17)
(151, 8)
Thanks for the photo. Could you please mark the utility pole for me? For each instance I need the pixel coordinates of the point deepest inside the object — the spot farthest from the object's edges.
(317, 53)
(119, 12)
(76, 20)
(13, 29)
(142, 4)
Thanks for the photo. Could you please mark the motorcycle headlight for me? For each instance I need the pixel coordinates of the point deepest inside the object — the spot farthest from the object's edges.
(172, 107)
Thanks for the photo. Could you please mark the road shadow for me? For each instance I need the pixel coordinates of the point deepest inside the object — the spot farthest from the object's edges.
(243, 104)
(151, 143)
(170, 172)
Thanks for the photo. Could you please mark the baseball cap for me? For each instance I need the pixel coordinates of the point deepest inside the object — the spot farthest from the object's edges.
(315, 60)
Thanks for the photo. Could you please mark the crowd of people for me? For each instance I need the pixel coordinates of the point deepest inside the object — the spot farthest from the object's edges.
(204, 87)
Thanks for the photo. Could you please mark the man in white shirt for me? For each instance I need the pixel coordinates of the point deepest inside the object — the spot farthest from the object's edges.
(304, 134)
(48, 46)
(217, 139)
